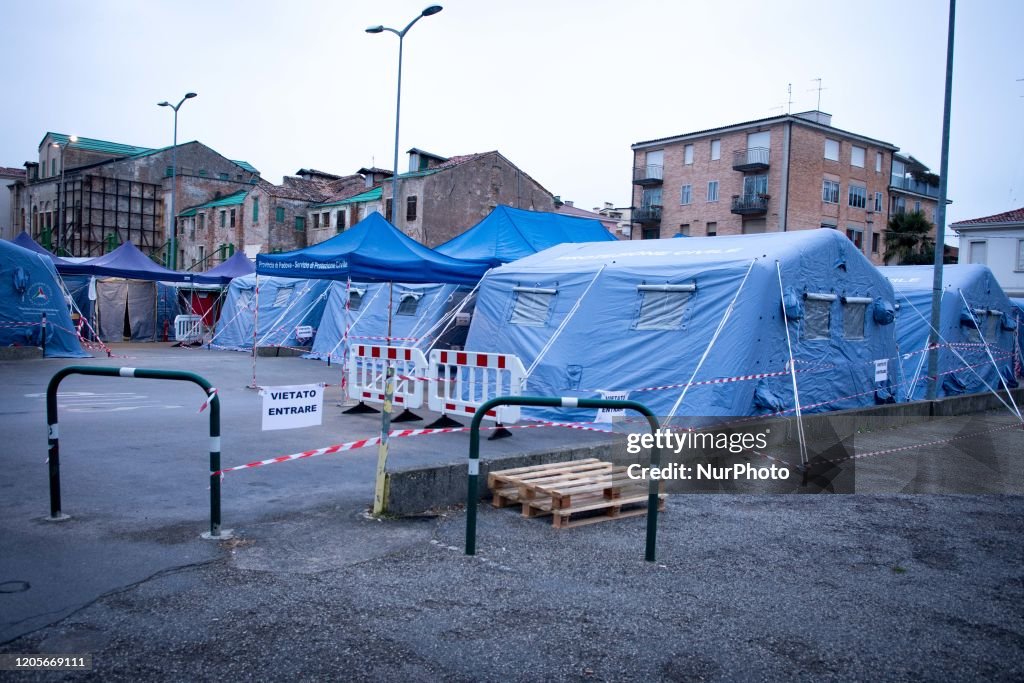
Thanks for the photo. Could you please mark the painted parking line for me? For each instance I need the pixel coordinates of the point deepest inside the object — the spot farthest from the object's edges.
(93, 402)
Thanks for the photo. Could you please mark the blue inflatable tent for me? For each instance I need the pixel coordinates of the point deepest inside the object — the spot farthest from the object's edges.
(639, 317)
(964, 364)
(509, 234)
(29, 288)
(284, 305)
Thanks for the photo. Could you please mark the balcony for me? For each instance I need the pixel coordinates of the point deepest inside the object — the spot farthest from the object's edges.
(750, 204)
(908, 184)
(647, 215)
(649, 174)
(752, 159)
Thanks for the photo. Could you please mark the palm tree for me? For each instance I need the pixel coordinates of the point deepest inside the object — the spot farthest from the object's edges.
(907, 240)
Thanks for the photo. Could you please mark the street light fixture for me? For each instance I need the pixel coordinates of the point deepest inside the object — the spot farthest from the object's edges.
(429, 11)
(389, 382)
(62, 195)
(173, 261)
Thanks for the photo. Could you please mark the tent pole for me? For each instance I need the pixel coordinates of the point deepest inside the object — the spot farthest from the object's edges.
(255, 327)
(385, 421)
(792, 373)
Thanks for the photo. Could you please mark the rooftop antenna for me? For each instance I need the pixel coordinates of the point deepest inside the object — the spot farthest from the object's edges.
(789, 89)
(819, 89)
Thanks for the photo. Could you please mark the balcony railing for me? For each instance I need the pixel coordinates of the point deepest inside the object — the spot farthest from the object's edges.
(750, 159)
(647, 215)
(750, 204)
(648, 174)
(908, 184)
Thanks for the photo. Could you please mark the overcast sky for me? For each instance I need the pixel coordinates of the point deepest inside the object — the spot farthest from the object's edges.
(560, 87)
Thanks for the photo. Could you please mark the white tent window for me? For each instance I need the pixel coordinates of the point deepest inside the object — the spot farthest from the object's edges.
(283, 296)
(244, 299)
(409, 302)
(531, 306)
(817, 315)
(854, 315)
(992, 326)
(662, 307)
(355, 298)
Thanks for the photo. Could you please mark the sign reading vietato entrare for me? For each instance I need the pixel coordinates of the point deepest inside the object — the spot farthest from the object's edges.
(290, 407)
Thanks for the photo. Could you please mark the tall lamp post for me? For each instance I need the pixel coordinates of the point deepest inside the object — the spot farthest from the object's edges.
(389, 382)
(429, 11)
(173, 261)
(62, 195)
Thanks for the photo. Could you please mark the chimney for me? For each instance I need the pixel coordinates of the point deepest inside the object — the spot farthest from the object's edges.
(568, 203)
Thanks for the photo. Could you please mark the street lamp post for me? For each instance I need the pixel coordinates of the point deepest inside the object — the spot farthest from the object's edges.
(389, 381)
(429, 11)
(173, 261)
(62, 196)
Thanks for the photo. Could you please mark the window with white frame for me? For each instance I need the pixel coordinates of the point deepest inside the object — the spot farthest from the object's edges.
(662, 307)
(716, 150)
(283, 296)
(858, 196)
(856, 235)
(686, 194)
(531, 305)
(857, 156)
(688, 154)
(830, 191)
(831, 150)
(355, 298)
(878, 201)
(854, 314)
(408, 303)
(878, 162)
(1020, 255)
(817, 319)
(712, 190)
(977, 252)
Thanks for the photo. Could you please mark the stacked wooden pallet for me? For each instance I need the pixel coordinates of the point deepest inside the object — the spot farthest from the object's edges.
(574, 493)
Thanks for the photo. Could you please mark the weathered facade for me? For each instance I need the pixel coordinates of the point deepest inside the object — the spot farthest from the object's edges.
(8, 178)
(790, 172)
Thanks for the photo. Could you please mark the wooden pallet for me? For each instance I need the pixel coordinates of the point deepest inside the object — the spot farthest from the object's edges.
(574, 493)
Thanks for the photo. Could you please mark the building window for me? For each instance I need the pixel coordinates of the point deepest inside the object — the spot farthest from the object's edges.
(223, 176)
(832, 149)
(713, 191)
(856, 235)
(826, 223)
(202, 173)
(387, 209)
(325, 219)
(878, 201)
(817, 315)
(830, 191)
(531, 305)
(662, 307)
(279, 214)
(202, 221)
(410, 208)
(232, 218)
(300, 223)
(202, 254)
(858, 196)
(917, 207)
(53, 167)
(684, 229)
(899, 204)
(875, 242)
(878, 162)
(339, 220)
(688, 154)
(857, 156)
(255, 209)
(650, 234)
(716, 150)
(712, 229)
(686, 194)
(977, 252)
(223, 219)
(1020, 255)
(316, 221)
(854, 309)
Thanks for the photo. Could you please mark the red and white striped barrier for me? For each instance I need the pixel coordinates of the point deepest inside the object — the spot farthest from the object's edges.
(459, 382)
(367, 373)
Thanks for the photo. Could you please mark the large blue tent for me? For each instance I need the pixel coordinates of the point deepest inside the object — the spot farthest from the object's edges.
(30, 288)
(236, 266)
(284, 305)
(507, 234)
(373, 250)
(638, 317)
(964, 364)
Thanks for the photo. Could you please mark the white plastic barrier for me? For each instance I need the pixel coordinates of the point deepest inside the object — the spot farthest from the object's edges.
(367, 372)
(188, 328)
(459, 382)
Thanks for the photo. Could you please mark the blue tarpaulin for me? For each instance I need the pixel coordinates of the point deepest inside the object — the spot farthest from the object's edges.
(126, 262)
(284, 305)
(654, 306)
(989, 317)
(236, 266)
(508, 234)
(30, 287)
(373, 250)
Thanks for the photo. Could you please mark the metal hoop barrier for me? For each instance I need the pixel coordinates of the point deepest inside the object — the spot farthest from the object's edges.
(473, 484)
(141, 373)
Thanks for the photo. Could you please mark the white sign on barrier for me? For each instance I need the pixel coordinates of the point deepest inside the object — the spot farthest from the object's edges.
(882, 370)
(609, 414)
(461, 381)
(367, 373)
(290, 407)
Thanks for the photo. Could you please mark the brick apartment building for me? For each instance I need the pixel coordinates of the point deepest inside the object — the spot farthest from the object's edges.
(790, 172)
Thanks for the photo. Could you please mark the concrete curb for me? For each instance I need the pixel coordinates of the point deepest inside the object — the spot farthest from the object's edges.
(412, 490)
